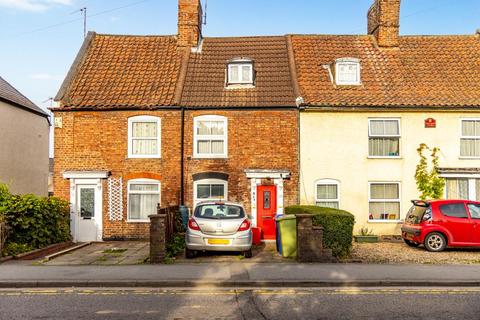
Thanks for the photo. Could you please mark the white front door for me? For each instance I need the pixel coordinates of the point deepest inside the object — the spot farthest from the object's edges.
(87, 224)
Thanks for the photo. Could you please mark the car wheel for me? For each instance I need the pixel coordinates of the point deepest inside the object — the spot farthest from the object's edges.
(189, 254)
(411, 243)
(248, 254)
(435, 242)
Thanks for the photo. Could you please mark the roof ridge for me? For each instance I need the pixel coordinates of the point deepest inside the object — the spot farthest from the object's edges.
(137, 35)
(17, 91)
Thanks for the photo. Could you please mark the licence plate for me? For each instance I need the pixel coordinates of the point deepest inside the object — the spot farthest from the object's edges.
(218, 241)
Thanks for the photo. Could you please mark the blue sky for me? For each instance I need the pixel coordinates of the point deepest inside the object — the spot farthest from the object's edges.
(40, 38)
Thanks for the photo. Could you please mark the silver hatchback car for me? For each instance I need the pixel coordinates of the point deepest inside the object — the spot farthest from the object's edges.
(219, 226)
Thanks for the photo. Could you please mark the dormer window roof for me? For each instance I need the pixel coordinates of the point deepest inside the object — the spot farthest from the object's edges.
(240, 72)
(347, 72)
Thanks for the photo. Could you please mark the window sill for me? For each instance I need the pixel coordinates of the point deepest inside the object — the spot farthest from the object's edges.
(137, 221)
(385, 221)
(469, 158)
(392, 157)
(144, 157)
(222, 157)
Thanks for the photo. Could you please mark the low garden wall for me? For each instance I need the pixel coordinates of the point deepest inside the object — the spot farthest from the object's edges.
(337, 227)
(3, 236)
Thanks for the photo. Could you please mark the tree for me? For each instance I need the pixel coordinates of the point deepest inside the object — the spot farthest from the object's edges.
(429, 183)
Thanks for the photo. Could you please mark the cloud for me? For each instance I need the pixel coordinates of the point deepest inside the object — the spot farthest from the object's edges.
(45, 76)
(34, 5)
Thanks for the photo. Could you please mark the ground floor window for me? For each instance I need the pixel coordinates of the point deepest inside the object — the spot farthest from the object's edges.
(462, 188)
(143, 198)
(326, 194)
(384, 201)
(210, 189)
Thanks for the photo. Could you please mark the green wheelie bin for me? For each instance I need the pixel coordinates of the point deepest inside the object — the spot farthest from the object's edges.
(287, 225)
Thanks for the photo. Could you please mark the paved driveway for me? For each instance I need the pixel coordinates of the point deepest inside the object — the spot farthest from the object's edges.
(106, 253)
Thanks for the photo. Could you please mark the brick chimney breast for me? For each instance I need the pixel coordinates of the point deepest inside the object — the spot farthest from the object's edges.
(189, 23)
(384, 22)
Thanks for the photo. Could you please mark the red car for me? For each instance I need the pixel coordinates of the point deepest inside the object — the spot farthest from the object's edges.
(440, 223)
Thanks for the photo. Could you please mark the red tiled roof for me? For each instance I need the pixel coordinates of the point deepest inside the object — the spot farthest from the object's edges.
(205, 78)
(117, 71)
(435, 71)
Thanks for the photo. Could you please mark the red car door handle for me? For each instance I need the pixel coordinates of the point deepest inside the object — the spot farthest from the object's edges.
(266, 217)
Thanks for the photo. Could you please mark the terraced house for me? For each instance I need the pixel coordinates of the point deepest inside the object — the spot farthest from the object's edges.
(329, 120)
(370, 101)
(175, 120)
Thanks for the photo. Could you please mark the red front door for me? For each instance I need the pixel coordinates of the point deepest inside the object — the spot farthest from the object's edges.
(266, 210)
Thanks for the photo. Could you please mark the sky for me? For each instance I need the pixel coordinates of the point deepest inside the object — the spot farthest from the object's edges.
(39, 39)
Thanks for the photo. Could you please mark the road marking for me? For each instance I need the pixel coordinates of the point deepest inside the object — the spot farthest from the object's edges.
(273, 291)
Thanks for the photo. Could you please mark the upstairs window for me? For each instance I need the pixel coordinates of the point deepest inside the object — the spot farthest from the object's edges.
(383, 138)
(240, 71)
(144, 137)
(210, 137)
(470, 139)
(347, 71)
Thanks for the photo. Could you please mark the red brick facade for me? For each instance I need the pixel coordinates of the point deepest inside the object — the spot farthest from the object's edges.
(97, 140)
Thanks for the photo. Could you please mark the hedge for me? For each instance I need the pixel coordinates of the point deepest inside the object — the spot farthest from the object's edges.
(337, 227)
(34, 222)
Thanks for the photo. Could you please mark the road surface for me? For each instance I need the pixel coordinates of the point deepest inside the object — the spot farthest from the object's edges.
(321, 303)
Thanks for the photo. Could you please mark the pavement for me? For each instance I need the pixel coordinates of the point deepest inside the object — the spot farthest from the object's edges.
(237, 274)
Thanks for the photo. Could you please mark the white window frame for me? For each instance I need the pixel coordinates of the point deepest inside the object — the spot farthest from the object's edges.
(151, 119)
(209, 181)
(142, 181)
(240, 63)
(197, 137)
(348, 61)
(327, 182)
(467, 137)
(472, 187)
(399, 136)
(399, 201)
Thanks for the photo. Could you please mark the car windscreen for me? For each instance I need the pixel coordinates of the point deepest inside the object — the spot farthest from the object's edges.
(219, 211)
(415, 214)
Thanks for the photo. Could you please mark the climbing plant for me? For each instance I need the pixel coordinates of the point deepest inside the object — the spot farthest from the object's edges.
(429, 182)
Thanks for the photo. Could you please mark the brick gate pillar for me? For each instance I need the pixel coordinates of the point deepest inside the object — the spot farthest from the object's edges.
(310, 241)
(158, 245)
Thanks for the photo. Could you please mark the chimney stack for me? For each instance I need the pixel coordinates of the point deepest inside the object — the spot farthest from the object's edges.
(384, 22)
(189, 23)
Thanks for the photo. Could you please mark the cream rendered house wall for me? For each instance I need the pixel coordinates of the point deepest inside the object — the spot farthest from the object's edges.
(334, 145)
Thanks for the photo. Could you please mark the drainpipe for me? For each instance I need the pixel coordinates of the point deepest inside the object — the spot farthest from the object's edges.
(182, 151)
(183, 210)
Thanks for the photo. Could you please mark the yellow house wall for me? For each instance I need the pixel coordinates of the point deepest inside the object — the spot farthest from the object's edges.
(334, 145)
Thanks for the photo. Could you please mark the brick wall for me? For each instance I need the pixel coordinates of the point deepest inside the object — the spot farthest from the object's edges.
(98, 141)
(384, 22)
(189, 23)
(257, 139)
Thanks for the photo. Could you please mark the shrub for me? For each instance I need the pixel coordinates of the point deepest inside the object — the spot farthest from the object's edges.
(34, 222)
(337, 227)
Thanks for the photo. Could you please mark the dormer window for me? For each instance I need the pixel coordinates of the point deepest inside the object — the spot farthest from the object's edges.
(240, 72)
(347, 72)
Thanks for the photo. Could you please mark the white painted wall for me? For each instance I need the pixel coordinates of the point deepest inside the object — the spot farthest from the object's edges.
(334, 145)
